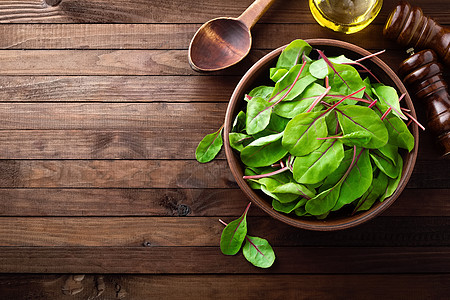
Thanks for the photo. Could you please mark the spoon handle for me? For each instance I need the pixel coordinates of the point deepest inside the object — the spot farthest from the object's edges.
(254, 12)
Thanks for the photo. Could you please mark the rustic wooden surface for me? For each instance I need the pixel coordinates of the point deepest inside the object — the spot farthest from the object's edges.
(100, 115)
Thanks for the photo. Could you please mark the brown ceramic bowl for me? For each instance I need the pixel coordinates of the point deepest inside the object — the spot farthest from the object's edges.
(258, 75)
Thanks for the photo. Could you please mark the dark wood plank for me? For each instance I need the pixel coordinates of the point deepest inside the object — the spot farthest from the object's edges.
(129, 11)
(91, 144)
(112, 116)
(125, 144)
(117, 88)
(158, 174)
(115, 173)
(205, 232)
(178, 202)
(42, 287)
(125, 62)
(208, 260)
(166, 36)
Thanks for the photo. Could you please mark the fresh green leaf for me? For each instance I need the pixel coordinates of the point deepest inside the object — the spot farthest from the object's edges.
(393, 183)
(399, 134)
(354, 118)
(209, 146)
(300, 136)
(264, 151)
(258, 252)
(285, 83)
(258, 115)
(292, 54)
(288, 207)
(388, 96)
(384, 164)
(239, 140)
(301, 103)
(234, 234)
(317, 165)
(377, 188)
(239, 122)
(261, 92)
(390, 151)
(277, 73)
(358, 180)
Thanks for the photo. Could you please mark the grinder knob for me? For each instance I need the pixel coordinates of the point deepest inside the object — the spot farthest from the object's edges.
(409, 27)
(423, 75)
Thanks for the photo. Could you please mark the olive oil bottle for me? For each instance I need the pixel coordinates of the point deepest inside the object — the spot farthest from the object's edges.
(346, 16)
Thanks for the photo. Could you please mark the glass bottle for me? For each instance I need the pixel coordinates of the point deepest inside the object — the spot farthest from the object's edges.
(347, 16)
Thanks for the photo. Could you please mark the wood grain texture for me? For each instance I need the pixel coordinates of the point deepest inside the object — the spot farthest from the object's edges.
(70, 232)
(327, 287)
(112, 116)
(160, 11)
(178, 202)
(157, 174)
(123, 144)
(124, 62)
(165, 36)
(117, 88)
(207, 260)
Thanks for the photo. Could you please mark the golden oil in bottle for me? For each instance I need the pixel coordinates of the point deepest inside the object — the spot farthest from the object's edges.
(346, 16)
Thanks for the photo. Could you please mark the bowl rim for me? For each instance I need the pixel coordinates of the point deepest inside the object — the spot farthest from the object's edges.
(313, 224)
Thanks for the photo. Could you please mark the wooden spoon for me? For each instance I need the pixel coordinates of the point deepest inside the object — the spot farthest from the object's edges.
(223, 42)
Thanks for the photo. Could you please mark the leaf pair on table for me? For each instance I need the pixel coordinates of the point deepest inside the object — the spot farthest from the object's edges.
(256, 250)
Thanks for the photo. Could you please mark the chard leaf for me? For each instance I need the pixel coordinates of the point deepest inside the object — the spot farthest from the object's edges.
(317, 165)
(281, 197)
(358, 180)
(234, 234)
(293, 188)
(276, 73)
(301, 133)
(377, 188)
(258, 252)
(368, 85)
(399, 134)
(209, 146)
(292, 54)
(323, 202)
(388, 96)
(285, 83)
(254, 184)
(264, 151)
(346, 82)
(239, 122)
(384, 164)
(357, 138)
(258, 115)
(390, 151)
(288, 207)
(393, 183)
(354, 118)
(261, 92)
(320, 68)
(301, 103)
(239, 140)
(332, 123)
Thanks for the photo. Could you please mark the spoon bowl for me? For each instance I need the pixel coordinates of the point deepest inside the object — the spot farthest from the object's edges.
(223, 42)
(218, 44)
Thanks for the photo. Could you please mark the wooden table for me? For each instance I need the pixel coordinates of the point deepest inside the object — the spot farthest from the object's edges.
(100, 115)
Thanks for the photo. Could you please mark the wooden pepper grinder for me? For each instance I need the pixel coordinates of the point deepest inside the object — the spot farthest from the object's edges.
(410, 27)
(423, 75)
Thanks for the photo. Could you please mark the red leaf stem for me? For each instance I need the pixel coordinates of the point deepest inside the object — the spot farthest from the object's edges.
(369, 56)
(373, 103)
(386, 113)
(320, 97)
(266, 174)
(414, 120)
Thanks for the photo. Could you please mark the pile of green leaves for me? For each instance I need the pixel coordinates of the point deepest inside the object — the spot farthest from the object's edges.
(256, 250)
(321, 137)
